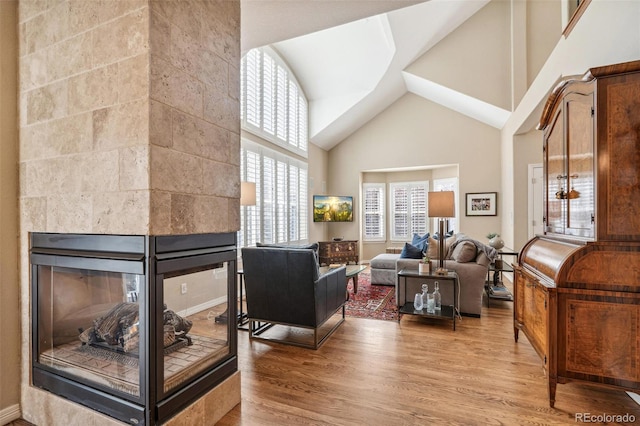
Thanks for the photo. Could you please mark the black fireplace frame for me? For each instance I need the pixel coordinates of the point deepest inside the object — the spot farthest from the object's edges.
(154, 257)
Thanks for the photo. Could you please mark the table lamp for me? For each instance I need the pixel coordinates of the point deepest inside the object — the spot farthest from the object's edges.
(247, 193)
(441, 205)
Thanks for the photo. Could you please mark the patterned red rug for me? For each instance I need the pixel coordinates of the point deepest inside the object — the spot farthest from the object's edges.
(372, 301)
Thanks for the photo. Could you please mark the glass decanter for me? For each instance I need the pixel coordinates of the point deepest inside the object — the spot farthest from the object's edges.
(437, 297)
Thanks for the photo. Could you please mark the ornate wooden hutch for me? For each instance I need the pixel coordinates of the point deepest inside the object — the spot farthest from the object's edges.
(577, 287)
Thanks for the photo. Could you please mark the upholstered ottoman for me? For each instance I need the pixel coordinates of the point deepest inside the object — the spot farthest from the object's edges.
(383, 269)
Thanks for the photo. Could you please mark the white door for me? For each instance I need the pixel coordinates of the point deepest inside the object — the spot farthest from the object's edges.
(536, 182)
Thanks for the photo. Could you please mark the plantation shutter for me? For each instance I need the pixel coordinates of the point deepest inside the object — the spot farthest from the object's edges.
(400, 216)
(408, 209)
(253, 91)
(418, 210)
(373, 195)
(281, 103)
(268, 95)
(303, 206)
(269, 206)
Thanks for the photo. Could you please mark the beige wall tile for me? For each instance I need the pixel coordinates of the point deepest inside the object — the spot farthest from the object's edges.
(217, 179)
(160, 213)
(68, 135)
(69, 57)
(46, 28)
(221, 28)
(51, 176)
(134, 168)
(98, 171)
(69, 213)
(186, 15)
(33, 214)
(234, 82)
(234, 148)
(125, 212)
(160, 36)
(46, 103)
(83, 15)
(195, 136)
(221, 400)
(29, 8)
(34, 141)
(234, 214)
(222, 110)
(121, 125)
(34, 70)
(176, 88)
(133, 78)
(120, 39)
(94, 89)
(160, 123)
(189, 55)
(197, 214)
(175, 171)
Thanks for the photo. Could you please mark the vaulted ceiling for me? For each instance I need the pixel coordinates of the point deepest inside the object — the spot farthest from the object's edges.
(351, 56)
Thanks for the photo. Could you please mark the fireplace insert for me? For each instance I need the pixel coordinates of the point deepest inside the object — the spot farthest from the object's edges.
(125, 324)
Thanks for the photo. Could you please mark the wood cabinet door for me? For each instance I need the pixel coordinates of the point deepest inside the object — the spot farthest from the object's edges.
(618, 118)
(601, 340)
(535, 315)
(580, 197)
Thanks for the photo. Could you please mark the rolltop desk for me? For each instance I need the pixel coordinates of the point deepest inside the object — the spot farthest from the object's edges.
(577, 286)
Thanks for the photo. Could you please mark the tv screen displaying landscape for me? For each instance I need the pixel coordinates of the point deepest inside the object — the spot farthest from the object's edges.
(331, 208)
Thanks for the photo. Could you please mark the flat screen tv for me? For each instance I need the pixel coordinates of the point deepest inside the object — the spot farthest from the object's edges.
(332, 208)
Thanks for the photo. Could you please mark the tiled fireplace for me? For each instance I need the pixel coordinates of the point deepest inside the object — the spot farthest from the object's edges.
(129, 201)
(126, 325)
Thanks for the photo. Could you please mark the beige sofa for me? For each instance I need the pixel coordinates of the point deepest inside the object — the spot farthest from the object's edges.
(472, 275)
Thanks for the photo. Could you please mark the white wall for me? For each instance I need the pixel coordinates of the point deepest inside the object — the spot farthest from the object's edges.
(607, 33)
(414, 132)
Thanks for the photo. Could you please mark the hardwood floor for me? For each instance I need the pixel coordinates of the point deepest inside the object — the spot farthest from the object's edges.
(374, 372)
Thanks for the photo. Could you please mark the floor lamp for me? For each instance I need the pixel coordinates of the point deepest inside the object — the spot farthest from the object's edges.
(247, 198)
(441, 205)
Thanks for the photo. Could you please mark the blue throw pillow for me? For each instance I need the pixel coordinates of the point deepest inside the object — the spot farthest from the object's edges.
(420, 241)
(410, 251)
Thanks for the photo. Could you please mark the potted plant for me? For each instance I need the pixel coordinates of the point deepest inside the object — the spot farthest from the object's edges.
(424, 267)
(495, 241)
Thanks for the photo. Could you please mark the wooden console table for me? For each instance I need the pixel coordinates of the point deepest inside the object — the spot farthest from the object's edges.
(344, 251)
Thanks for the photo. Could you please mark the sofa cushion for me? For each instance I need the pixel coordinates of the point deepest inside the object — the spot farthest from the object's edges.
(385, 261)
(464, 252)
(420, 241)
(410, 251)
(432, 250)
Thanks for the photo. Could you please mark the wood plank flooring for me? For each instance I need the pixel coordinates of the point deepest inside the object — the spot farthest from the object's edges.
(373, 372)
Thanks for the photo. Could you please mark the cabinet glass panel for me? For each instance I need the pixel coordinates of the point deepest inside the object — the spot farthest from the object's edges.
(580, 166)
(556, 180)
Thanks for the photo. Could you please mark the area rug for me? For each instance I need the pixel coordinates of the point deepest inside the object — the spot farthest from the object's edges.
(371, 301)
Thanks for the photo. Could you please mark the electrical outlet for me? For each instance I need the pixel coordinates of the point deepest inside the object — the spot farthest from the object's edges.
(183, 288)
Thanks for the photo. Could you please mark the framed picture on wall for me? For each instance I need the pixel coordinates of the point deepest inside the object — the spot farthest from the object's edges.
(482, 203)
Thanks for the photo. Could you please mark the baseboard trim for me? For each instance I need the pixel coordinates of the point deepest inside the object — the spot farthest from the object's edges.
(10, 414)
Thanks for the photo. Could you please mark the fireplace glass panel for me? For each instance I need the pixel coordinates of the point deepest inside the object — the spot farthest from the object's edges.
(192, 302)
(88, 325)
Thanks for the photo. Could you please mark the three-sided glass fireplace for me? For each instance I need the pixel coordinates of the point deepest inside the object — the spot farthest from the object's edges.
(126, 325)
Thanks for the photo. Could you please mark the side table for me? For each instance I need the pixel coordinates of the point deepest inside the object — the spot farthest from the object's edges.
(494, 286)
(449, 312)
(242, 316)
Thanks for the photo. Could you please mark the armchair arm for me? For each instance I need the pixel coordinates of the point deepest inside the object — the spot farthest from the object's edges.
(331, 292)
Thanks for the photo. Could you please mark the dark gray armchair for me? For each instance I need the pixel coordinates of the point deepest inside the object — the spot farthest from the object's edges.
(283, 286)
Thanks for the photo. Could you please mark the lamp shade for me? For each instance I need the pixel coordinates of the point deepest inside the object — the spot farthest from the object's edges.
(442, 204)
(247, 194)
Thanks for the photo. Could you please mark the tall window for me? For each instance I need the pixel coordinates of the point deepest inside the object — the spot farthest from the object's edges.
(408, 209)
(273, 105)
(448, 184)
(373, 211)
(281, 211)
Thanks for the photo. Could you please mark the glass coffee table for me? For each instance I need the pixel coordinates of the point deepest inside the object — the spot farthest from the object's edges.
(352, 272)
